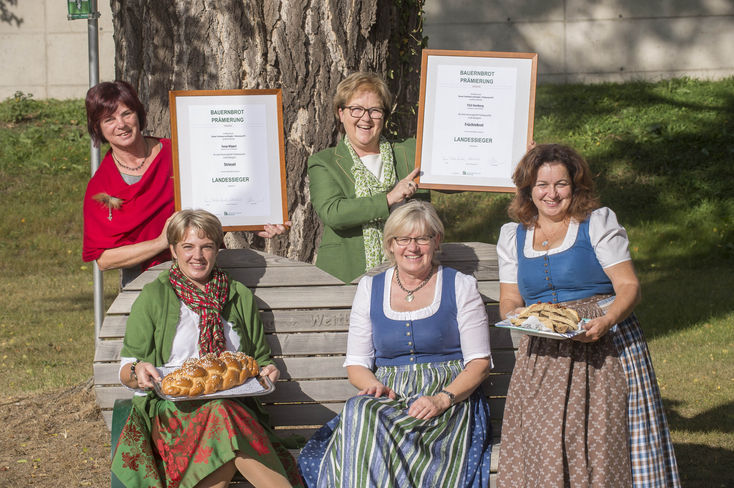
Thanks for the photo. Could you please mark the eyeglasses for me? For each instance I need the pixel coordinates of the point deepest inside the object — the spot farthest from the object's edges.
(357, 112)
(420, 240)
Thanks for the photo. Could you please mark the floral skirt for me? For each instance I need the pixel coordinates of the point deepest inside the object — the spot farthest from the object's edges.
(190, 440)
(374, 442)
(586, 415)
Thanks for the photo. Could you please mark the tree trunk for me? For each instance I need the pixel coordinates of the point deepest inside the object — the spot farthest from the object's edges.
(303, 47)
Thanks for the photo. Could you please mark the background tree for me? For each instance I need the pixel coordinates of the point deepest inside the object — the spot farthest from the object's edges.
(304, 47)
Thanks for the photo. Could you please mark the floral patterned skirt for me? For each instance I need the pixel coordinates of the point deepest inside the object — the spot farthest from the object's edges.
(190, 440)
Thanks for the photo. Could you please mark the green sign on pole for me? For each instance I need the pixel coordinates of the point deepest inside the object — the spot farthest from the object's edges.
(80, 9)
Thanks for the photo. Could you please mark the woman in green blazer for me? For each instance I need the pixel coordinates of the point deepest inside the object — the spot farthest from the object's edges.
(355, 184)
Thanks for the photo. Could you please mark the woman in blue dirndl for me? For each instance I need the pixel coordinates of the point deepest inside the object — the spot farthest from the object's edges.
(418, 349)
(585, 412)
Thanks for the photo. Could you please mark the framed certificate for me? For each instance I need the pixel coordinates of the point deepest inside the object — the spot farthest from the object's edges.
(475, 118)
(228, 155)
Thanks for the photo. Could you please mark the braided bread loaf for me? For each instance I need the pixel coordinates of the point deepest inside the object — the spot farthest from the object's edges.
(210, 374)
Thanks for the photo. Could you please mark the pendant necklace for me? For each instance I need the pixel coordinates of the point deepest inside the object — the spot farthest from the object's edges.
(545, 243)
(409, 297)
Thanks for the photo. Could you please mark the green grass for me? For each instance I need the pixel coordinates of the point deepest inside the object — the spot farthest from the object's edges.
(46, 320)
(661, 153)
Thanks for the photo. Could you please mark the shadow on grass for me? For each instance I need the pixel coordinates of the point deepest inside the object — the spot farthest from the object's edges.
(719, 419)
(702, 466)
(676, 299)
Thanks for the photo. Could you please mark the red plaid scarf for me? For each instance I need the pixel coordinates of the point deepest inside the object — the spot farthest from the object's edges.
(207, 304)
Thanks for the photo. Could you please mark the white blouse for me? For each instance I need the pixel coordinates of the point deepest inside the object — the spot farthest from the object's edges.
(608, 238)
(373, 162)
(471, 317)
(186, 341)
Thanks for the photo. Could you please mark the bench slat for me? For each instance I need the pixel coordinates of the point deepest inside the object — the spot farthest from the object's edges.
(317, 320)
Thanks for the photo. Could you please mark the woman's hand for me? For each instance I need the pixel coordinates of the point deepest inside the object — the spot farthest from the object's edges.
(511, 301)
(378, 390)
(403, 189)
(627, 292)
(163, 237)
(427, 407)
(272, 230)
(595, 330)
(147, 374)
(271, 372)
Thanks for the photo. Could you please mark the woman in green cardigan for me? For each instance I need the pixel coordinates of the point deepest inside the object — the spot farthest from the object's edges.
(355, 184)
(189, 311)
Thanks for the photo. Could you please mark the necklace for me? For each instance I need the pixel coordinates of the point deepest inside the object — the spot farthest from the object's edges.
(545, 243)
(128, 167)
(409, 297)
(136, 168)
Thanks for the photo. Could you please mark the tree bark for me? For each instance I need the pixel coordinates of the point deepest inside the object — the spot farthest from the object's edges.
(303, 47)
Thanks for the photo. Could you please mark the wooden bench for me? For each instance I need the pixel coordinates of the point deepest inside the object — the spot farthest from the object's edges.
(306, 316)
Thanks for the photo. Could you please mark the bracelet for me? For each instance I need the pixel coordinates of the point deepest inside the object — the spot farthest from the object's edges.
(133, 374)
(451, 396)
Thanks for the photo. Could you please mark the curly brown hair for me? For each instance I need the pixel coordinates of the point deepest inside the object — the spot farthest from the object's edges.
(583, 201)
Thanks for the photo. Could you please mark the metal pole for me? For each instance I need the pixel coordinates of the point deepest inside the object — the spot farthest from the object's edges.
(93, 41)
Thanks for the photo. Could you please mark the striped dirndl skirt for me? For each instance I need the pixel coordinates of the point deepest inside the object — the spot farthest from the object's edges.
(374, 442)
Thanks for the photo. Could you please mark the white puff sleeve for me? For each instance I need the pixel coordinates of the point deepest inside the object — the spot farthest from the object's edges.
(507, 253)
(360, 349)
(608, 238)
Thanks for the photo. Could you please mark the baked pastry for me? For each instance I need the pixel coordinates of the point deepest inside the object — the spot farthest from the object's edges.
(210, 374)
(553, 316)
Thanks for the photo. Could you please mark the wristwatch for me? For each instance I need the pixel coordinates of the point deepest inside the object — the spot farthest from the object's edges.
(451, 396)
(133, 375)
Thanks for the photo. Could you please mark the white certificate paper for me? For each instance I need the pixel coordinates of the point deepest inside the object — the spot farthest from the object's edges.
(475, 119)
(229, 157)
(468, 137)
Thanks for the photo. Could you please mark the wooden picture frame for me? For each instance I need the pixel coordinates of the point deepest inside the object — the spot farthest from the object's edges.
(475, 118)
(229, 155)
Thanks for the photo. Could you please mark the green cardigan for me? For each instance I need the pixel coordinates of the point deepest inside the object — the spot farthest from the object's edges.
(331, 183)
(152, 323)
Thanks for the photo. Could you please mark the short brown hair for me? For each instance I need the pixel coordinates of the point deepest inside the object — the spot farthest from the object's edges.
(583, 199)
(103, 99)
(416, 215)
(205, 222)
(361, 81)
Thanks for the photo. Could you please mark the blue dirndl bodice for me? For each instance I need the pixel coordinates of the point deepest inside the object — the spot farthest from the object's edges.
(572, 274)
(432, 339)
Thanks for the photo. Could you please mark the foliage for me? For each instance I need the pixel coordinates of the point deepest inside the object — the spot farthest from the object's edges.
(47, 136)
(406, 44)
(8, 17)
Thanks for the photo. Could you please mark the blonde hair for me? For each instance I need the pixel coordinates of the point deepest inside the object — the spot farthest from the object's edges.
(416, 215)
(206, 223)
(361, 81)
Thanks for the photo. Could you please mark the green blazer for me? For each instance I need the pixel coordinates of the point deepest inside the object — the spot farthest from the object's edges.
(341, 252)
